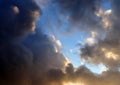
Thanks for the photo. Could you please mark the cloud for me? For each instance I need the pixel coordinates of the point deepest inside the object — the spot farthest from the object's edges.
(86, 77)
(79, 9)
(24, 59)
(92, 40)
(33, 60)
(57, 43)
(11, 14)
(103, 47)
(106, 50)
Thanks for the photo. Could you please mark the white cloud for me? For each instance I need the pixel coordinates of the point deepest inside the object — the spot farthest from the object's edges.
(57, 44)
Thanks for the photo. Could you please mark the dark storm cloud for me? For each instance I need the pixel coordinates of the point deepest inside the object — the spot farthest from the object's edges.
(86, 77)
(17, 17)
(16, 20)
(80, 12)
(44, 52)
(45, 59)
(82, 75)
(33, 60)
(106, 50)
(78, 8)
(24, 61)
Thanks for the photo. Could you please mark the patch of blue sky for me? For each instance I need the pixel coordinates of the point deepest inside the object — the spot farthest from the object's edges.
(71, 45)
(57, 25)
(97, 68)
(48, 19)
(107, 5)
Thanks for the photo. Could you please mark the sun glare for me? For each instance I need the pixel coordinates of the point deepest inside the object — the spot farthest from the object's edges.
(70, 83)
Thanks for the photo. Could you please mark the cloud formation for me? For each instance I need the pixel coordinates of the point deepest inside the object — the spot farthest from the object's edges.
(106, 50)
(80, 10)
(24, 59)
(33, 59)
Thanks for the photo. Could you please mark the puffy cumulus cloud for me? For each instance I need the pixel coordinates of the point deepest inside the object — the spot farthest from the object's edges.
(88, 78)
(44, 51)
(106, 50)
(105, 16)
(57, 43)
(16, 15)
(101, 53)
(106, 19)
(92, 40)
(25, 60)
(16, 18)
(84, 76)
(46, 61)
(32, 60)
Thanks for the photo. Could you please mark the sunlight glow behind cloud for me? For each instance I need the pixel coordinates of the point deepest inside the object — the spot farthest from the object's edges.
(56, 57)
(70, 83)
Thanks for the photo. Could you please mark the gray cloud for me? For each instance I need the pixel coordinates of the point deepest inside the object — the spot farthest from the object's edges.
(32, 60)
(106, 51)
(24, 59)
(79, 9)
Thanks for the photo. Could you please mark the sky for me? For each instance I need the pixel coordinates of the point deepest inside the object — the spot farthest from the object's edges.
(69, 38)
(59, 42)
